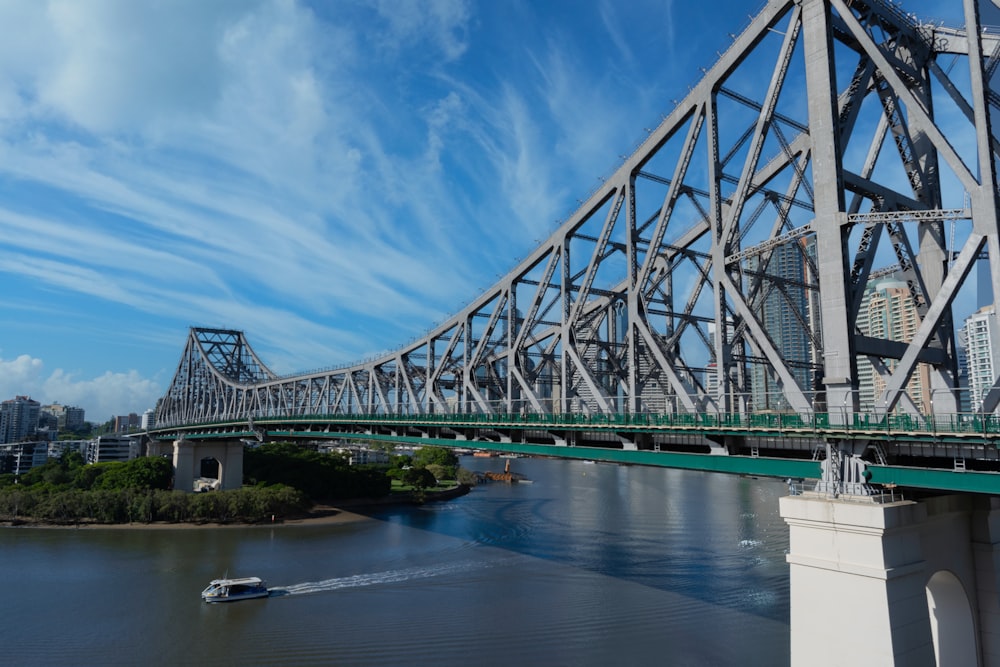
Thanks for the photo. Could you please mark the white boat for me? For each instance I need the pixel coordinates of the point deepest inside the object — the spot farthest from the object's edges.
(231, 590)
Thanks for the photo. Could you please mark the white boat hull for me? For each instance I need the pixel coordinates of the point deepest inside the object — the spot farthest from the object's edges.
(234, 590)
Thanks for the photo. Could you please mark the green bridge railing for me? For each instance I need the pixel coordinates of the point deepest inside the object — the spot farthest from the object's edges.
(967, 426)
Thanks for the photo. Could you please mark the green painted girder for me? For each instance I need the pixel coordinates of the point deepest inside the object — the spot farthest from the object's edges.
(218, 435)
(965, 481)
(737, 465)
(922, 478)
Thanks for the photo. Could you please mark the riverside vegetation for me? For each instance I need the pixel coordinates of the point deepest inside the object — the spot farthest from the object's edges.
(280, 479)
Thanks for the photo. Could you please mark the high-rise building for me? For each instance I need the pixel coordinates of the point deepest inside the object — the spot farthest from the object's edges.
(980, 338)
(784, 305)
(75, 419)
(148, 419)
(18, 419)
(888, 313)
(964, 402)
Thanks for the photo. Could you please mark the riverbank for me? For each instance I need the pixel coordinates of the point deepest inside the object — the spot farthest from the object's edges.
(319, 515)
(347, 511)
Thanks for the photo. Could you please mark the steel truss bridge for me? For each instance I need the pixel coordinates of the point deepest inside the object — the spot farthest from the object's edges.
(715, 295)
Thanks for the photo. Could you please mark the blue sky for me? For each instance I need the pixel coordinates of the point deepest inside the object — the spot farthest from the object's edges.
(333, 178)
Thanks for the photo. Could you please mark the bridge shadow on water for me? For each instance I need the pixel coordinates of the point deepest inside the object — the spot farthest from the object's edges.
(715, 538)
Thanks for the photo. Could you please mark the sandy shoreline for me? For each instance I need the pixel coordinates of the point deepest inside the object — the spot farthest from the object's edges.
(320, 515)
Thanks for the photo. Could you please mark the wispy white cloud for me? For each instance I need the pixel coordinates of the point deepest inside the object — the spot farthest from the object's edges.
(101, 397)
(112, 66)
(611, 18)
(104, 396)
(442, 23)
(332, 178)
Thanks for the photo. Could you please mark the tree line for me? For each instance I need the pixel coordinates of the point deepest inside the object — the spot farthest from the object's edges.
(280, 479)
(68, 491)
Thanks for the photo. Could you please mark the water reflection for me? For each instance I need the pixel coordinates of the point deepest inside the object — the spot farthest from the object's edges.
(588, 565)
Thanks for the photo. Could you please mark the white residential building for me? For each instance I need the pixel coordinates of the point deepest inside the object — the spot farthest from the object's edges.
(359, 455)
(59, 447)
(981, 339)
(112, 448)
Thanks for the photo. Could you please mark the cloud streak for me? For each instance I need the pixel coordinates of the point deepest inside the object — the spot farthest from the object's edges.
(332, 178)
(101, 397)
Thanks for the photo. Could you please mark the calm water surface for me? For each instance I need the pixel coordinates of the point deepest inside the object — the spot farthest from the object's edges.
(591, 564)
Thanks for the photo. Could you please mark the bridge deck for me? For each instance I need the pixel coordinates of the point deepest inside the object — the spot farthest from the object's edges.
(770, 445)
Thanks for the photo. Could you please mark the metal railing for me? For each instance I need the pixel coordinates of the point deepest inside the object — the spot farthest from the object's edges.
(878, 496)
(963, 425)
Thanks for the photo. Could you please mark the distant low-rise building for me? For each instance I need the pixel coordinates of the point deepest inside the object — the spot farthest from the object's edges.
(362, 455)
(66, 417)
(18, 458)
(60, 447)
(127, 423)
(112, 448)
(45, 433)
(47, 420)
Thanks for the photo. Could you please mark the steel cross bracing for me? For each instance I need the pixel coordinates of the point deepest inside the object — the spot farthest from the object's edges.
(212, 377)
(723, 267)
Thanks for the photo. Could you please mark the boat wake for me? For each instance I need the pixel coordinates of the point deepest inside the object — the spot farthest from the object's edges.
(376, 578)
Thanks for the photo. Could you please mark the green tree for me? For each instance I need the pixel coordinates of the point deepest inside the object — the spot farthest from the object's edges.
(171, 506)
(401, 461)
(17, 501)
(419, 478)
(441, 461)
(382, 445)
(85, 477)
(466, 477)
(147, 472)
(55, 473)
(72, 460)
(440, 472)
(319, 476)
(60, 507)
(37, 476)
(439, 455)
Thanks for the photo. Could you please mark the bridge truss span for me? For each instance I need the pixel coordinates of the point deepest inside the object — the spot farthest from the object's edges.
(728, 265)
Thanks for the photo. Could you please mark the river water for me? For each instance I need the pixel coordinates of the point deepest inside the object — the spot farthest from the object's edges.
(590, 564)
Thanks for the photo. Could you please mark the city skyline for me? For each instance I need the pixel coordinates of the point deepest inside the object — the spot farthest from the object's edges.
(333, 181)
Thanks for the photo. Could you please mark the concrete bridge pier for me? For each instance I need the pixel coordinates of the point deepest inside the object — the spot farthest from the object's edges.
(189, 457)
(902, 583)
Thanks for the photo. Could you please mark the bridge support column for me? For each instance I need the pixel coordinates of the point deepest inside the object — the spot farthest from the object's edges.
(904, 583)
(188, 457)
(157, 448)
(986, 552)
(184, 472)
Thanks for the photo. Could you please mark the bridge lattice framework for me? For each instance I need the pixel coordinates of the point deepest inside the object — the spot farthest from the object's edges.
(723, 267)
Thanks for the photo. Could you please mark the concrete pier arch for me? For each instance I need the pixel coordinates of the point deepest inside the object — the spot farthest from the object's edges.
(953, 627)
(193, 458)
(211, 467)
(906, 584)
